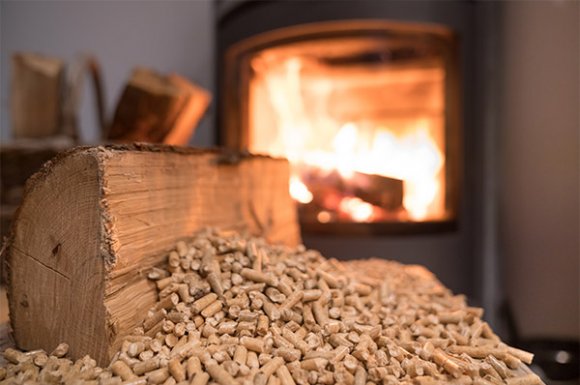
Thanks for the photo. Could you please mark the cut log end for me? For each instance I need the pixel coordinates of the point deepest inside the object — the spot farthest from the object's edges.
(55, 269)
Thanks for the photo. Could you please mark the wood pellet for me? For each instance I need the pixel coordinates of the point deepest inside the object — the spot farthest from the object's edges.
(235, 310)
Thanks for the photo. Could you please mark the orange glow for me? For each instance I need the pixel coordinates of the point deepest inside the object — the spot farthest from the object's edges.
(324, 217)
(385, 121)
(299, 191)
(357, 209)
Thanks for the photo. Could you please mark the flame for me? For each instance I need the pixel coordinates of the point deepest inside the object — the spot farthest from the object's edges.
(290, 116)
(413, 158)
(345, 154)
(357, 209)
(416, 159)
(299, 191)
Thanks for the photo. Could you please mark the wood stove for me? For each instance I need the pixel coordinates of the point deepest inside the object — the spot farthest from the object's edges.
(366, 113)
(364, 78)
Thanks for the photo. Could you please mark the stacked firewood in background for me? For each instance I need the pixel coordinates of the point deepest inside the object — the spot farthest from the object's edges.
(44, 106)
(154, 108)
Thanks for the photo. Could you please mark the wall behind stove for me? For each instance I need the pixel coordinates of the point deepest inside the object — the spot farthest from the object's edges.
(166, 36)
(540, 169)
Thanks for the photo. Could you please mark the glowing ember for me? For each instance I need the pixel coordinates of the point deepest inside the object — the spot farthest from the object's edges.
(357, 209)
(324, 217)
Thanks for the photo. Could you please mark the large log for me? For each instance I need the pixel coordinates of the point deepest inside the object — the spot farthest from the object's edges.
(94, 219)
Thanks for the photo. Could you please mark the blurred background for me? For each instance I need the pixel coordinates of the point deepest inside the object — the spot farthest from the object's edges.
(508, 125)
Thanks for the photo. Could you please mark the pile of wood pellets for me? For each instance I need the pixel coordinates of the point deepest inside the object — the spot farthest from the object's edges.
(236, 310)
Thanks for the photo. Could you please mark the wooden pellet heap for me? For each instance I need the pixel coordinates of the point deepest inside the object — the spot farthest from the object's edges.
(235, 310)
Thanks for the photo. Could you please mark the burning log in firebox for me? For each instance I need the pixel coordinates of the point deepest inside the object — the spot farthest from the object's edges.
(358, 196)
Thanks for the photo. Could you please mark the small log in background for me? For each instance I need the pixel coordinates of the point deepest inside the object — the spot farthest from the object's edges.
(155, 108)
(95, 219)
(35, 98)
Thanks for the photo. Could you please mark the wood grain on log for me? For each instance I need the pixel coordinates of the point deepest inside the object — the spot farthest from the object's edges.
(95, 218)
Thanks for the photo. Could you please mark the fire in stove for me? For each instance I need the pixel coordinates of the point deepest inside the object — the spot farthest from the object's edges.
(363, 119)
(368, 179)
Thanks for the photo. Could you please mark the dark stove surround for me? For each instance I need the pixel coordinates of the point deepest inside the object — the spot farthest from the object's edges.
(456, 256)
